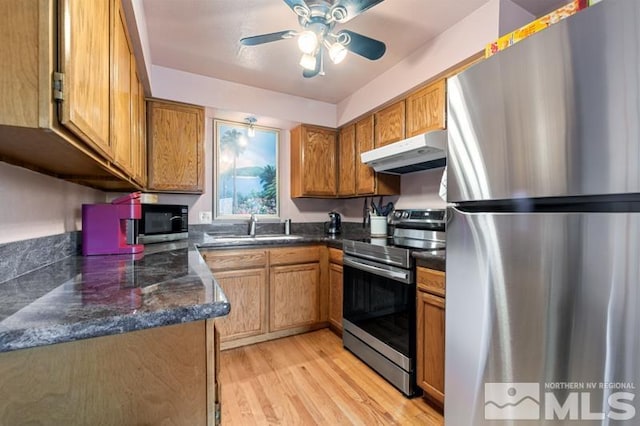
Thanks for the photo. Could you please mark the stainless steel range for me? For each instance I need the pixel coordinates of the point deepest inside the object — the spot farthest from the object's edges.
(379, 306)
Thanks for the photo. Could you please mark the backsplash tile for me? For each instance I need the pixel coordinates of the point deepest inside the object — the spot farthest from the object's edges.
(20, 257)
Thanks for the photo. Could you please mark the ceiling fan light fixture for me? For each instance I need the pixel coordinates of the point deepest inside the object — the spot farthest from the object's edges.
(308, 62)
(308, 42)
(339, 13)
(337, 53)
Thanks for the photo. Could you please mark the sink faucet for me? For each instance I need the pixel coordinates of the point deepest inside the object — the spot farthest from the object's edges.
(252, 225)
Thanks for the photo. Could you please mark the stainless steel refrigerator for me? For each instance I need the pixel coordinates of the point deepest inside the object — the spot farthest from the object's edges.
(543, 241)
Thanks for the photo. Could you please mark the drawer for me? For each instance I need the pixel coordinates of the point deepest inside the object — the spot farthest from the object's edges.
(335, 255)
(430, 280)
(291, 255)
(218, 260)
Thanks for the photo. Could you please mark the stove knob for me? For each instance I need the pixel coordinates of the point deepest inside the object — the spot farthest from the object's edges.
(397, 214)
(405, 215)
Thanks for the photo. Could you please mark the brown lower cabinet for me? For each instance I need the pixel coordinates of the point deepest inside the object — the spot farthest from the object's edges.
(335, 289)
(431, 333)
(163, 375)
(273, 292)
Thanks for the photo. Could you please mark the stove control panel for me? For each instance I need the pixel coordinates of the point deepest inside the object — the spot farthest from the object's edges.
(425, 216)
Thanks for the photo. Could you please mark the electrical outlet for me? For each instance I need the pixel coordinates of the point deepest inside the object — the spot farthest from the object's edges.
(205, 217)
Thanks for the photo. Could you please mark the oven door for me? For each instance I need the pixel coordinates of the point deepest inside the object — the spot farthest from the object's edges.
(379, 309)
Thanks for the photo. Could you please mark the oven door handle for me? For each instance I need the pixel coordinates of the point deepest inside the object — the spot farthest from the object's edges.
(397, 276)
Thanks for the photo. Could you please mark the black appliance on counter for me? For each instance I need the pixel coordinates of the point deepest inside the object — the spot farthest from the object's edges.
(334, 225)
(159, 223)
(379, 305)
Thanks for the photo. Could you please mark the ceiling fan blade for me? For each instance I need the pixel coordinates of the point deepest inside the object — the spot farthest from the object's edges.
(353, 8)
(267, 38)
(362, 45)
(300, 7)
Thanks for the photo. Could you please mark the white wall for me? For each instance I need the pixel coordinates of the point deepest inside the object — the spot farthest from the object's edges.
(512, 16)
(227, 96)
(36, 205)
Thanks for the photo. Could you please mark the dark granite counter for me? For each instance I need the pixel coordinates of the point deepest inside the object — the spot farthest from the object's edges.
(83, 297)
(333, 241)
(430, 259)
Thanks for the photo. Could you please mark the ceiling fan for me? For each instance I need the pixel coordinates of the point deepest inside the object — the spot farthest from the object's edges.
(318, 19)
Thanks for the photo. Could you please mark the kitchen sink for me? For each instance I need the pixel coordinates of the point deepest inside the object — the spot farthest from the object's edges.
(251, 238)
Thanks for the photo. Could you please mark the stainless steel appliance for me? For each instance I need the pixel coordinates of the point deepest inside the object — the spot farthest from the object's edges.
(379, 303)
(159, 223)
(543, 296)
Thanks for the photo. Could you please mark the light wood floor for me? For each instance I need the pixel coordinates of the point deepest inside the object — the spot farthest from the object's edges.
(310, 379)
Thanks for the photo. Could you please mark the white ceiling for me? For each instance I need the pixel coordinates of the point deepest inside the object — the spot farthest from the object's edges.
(202, 37)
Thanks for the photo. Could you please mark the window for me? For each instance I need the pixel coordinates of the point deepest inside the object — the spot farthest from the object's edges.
(246, 172)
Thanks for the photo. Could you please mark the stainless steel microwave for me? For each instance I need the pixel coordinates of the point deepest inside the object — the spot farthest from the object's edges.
(159, 223)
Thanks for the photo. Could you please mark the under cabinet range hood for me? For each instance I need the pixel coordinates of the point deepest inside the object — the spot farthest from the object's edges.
(422, 152)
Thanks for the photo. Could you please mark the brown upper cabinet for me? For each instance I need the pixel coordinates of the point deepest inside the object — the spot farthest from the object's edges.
(313, 162)
(175, 147)
(121, 92)
(389, 124)
(84, 60)
(347, 161)
(138, 129)
(57, 81)
(365, 175)
(426, 109)
(368, 182)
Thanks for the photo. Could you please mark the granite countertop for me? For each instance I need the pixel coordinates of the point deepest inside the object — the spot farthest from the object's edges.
(431, 259)
(332, 241)
(83, 297)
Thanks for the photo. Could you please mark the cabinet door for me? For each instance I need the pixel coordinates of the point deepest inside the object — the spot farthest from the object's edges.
(389, 124)
(84, 60)
(368, 182)
(347, 161)
(294, 296)
(147, 377)
(246, 291)
(430, 346)
(213, 372)
(431, 281)
(426, 109)
(319, 157)
(138, 139)
(365, 178)
(335, 295)
(176, 147)
(121, 84)
(313, 162)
